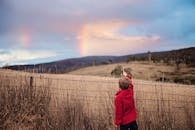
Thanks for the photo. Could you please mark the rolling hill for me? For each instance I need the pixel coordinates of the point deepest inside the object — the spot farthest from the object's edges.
(145, 71)
(186, 55)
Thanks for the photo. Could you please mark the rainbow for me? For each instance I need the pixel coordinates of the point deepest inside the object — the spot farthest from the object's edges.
(88, 33)
(24, 39)
(83, 42)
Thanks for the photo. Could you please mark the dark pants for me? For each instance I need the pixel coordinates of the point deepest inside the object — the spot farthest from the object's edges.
(130, 126)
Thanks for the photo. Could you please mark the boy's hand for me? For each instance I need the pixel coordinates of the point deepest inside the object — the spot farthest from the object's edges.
(124, 73)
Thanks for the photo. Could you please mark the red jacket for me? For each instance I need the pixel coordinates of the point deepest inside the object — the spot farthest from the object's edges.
(125, 111)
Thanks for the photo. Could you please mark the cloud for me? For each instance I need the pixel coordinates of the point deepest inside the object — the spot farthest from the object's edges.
(103, 27)
(68, 17)
(176, 26)
(104, 38)
(23, 56)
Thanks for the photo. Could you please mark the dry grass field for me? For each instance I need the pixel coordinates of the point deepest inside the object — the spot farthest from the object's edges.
(70, 102)
(141, 70)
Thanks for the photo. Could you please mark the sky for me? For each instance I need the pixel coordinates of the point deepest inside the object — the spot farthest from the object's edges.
(36, 31)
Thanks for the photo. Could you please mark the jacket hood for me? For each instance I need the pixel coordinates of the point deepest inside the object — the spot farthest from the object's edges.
(124, 90)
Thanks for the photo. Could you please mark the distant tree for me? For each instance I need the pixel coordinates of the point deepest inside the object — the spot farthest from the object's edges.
(188, 59)
(110, 61)
(178, 62)
(149, 56)
(94, 62)
(131, 58)
(142, 58)
(56, 69)
(105, 62)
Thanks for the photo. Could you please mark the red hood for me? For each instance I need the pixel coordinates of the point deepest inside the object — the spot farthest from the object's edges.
(129, 89)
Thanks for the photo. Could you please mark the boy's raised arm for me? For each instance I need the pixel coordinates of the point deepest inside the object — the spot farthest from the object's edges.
(127, 75)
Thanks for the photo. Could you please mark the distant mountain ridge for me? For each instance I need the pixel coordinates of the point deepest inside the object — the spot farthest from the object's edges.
(186, 55)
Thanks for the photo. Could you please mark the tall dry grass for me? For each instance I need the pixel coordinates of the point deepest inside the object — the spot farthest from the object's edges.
(70, 102)
(24, 106)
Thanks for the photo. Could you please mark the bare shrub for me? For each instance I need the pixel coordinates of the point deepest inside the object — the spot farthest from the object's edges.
(117, 72)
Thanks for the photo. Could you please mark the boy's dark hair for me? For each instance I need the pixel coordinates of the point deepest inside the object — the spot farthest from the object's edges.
(124, 83)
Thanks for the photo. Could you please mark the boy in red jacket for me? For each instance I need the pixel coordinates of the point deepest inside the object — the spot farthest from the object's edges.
(125, 112)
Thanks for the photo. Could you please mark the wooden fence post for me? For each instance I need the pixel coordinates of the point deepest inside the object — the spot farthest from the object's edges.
(31, 82)
(31, 88)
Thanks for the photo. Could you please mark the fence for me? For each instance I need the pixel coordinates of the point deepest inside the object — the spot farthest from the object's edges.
(90, 99)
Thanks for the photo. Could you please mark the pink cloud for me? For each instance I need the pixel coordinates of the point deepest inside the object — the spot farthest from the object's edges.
(103, 38)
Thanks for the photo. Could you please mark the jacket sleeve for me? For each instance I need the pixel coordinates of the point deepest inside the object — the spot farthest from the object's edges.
(130, 78)
(118, 111)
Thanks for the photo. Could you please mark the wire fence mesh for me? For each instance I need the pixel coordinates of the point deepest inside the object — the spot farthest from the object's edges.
(159, 105)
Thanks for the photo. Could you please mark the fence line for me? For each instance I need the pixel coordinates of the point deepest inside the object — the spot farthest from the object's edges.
(111, 80)
(136, 84)
(147, 95)
(83, 90)
(114, 82)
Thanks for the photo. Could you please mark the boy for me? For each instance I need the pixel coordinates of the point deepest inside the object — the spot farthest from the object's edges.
(125, 112)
